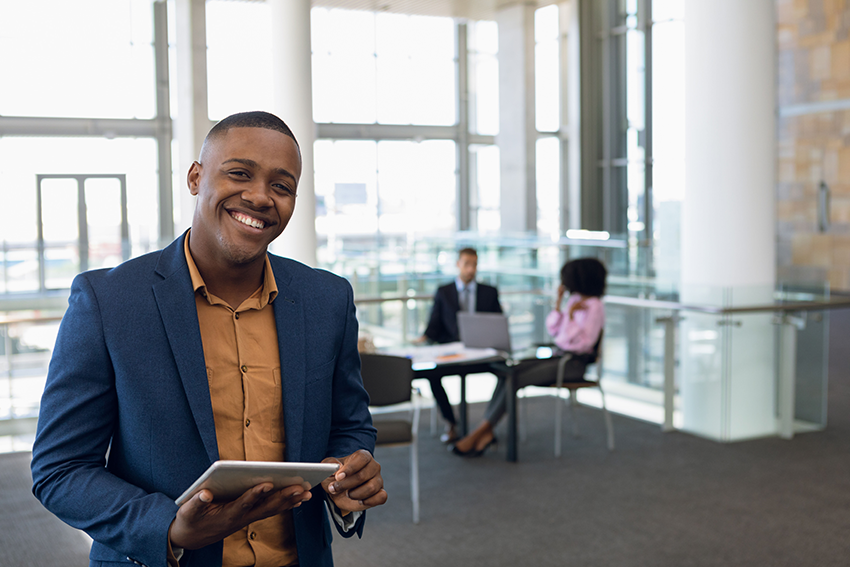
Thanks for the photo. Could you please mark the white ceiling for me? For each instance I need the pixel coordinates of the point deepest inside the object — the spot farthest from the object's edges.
(469, 9)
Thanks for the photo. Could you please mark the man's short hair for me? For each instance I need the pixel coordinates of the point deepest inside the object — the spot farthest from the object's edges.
(253, 119)
(470, 251)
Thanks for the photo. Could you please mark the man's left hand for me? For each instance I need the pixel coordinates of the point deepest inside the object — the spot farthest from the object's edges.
(358, 484)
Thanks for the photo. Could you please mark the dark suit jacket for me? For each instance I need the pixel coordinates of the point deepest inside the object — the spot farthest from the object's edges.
(442, 326)
(128, 379)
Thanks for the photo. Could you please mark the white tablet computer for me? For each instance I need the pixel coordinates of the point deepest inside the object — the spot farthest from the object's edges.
(228, 480)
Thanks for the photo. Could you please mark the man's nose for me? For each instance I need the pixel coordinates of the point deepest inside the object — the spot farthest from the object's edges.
(258, 193)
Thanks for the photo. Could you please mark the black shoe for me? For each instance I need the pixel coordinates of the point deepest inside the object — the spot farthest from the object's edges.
(473, 452)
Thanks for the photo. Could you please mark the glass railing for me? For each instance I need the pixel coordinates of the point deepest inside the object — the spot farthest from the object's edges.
(738, 363)
(732, 351)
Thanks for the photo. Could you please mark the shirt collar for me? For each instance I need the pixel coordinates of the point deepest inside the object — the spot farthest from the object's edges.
(268, 291)
(460, 285)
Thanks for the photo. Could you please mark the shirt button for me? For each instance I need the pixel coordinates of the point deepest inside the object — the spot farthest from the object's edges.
(247, 422)
(236, 315)
(253, 535)
(244, 368)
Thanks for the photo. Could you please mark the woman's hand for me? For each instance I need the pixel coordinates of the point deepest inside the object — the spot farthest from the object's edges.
(561, 291)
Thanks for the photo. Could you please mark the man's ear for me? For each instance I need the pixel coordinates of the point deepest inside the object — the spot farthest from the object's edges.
(193, 179)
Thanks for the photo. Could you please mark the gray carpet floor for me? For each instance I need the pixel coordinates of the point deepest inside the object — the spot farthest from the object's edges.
(657, 500)
(30, 536)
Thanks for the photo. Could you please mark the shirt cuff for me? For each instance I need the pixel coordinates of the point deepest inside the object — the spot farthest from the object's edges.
(174, 555)
(344, 522)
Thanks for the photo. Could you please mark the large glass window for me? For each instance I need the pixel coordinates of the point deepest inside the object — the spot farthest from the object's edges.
(239, 57)
(485, 186)
(548, 178)
(21, 159)
(89, 59)
(547, 69)
(385, 68)
(370, 192)
(483, 46)
(344, 72)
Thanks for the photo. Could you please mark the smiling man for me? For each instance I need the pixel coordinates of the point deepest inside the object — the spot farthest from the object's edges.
(210, 349)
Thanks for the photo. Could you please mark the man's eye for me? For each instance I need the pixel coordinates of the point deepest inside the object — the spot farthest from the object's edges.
(282, 188)
(239, 173)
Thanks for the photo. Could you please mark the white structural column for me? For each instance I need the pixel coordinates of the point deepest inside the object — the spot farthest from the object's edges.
(517, 129)
(727, 233)
(570, 115)
(193, 121)
(293, 102)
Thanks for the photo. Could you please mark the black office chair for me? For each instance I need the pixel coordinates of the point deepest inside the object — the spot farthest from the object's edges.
(388, 379)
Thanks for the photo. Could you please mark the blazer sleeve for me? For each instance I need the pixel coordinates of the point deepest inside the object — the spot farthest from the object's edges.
(76, 422)
(351, 422)
(436, 329)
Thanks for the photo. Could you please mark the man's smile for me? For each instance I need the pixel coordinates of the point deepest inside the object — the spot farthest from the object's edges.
(247, 219)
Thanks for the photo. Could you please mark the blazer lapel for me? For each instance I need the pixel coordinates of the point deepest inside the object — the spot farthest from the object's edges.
(289, 318)
(176, 301)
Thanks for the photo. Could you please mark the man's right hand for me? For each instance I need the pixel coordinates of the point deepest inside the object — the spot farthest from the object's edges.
(201, 522)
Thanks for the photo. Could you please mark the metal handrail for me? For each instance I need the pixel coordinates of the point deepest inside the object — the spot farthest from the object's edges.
(832, 303)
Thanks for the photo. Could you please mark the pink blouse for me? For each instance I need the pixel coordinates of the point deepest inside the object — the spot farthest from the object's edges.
(580, 333)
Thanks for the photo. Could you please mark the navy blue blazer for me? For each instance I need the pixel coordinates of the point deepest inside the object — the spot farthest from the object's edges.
(126, 423)
(442, 326)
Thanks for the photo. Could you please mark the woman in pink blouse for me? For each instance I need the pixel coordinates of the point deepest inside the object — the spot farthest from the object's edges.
(576, 330)
(578, 326)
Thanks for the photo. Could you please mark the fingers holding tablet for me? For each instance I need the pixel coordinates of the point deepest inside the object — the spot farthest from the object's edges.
(358, 484)
(201, 521)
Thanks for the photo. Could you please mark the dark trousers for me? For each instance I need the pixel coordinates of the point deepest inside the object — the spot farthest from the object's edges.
(442, 399)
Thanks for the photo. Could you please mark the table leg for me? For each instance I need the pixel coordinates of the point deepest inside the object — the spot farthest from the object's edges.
(464, 418)
(512, 417)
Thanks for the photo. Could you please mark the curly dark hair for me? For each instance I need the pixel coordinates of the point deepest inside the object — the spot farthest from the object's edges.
(585, 276)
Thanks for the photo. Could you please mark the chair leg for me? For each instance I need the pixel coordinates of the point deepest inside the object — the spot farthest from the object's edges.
(608, 423)
(573, 406)
(558, 411)
(414, 479)
(434, 411)
(523, 416)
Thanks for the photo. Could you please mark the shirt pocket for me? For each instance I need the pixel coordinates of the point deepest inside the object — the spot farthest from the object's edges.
(277, 409)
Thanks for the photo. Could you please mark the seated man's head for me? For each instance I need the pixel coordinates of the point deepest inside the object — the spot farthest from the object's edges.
(467, 265)
(246, 180)
(585, 276)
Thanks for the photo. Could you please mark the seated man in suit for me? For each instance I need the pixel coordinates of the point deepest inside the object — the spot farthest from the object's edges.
(464, 294)
(210, 349)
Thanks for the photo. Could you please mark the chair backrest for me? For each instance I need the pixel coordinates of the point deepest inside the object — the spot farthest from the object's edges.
(597, 346)
(386, 378)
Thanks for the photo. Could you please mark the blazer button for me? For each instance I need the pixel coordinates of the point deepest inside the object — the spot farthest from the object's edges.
(244, 368)
(253, 535)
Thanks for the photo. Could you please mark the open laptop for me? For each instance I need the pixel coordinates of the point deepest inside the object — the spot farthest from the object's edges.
(484, 330)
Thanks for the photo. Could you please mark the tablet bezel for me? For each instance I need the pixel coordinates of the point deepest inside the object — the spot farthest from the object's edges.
(228, 480)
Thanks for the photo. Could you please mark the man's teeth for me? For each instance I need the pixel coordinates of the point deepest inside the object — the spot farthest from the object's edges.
(244, 219)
